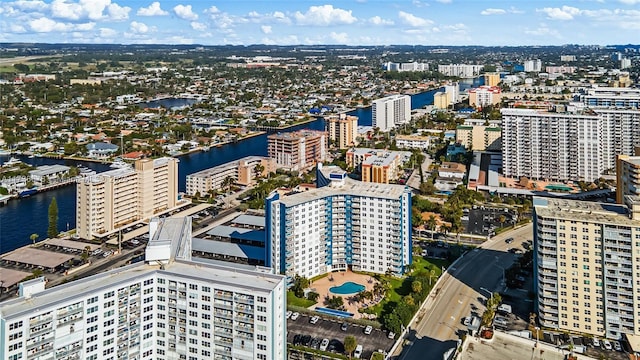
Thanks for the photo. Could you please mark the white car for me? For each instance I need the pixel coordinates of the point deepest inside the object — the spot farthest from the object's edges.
(358, 352)
(295, 316)
(324, 344)
(596, 342)
(314, 319)
(107, 254)
(617, 346)
(466, 321)
(391, 335)
(368, 330)
(606, 344)
(289, 313)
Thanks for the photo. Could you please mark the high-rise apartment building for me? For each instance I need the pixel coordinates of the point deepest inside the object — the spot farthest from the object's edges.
(566, 146)
(441, 100)
(412, 66)
(460, 70)
(585, 266)
(484, 96)
(168, 307)
(298, 150)
(377, 165)
(343, 130)
(109, 200)
(453, 92)
(628, 176)
(491, 79)
(533, 65)
(346, 224)
(242, 171)
(479, 137)
(391, 111)
(612, 97)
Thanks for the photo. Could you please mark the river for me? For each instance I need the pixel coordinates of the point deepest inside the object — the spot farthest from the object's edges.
(21, 218)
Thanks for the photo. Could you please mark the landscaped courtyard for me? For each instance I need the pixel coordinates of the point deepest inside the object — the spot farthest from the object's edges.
(323, 287)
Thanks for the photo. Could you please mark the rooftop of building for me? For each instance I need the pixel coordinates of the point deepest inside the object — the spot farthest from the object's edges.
(582, 211)
(347, 186)
(453, 167)
(413, 137)
(224, 167)
(48, 169)
(294, 135)
(635, 160)
(169, 229)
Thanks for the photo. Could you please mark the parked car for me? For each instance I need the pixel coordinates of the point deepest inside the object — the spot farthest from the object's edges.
(391, 335)
(358, 352)
(289, 313)
(324, 344)
(617, 346)
(606, 344)
(509, 240)
(314, 319)
(595, 342)
(295, 316)
(368, 330)
(344, 326)
(466, 321)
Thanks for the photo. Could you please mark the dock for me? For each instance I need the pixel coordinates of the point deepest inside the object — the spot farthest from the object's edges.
(4, 199)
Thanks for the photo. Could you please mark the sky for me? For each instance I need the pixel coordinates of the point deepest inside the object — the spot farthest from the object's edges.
(304, 22)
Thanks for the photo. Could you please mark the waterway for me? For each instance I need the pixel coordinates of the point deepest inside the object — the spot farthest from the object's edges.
(21, 218)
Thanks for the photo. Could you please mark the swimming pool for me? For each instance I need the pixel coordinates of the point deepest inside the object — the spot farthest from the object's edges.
(333, 312)
(347, 288)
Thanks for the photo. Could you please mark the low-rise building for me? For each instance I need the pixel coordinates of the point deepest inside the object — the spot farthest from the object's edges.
(375, 165)
(243, 171)
(450, 176)
(413, 142)
(479, 137)
(485, 96)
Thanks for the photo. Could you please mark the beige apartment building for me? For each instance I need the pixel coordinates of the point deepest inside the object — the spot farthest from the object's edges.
(485, 96)
(378, 166)
(441, 100)
(343, 130)
(242, 171)
(298, 150)
(492, 79)
(479, 137)
(628, 176)
(112, 199)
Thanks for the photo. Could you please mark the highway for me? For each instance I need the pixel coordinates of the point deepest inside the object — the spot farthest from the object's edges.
(467, 282)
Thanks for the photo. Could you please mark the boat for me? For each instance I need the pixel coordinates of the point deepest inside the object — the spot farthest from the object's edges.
(119, 164)
(4, 152)
(13, 161)
(27, 192)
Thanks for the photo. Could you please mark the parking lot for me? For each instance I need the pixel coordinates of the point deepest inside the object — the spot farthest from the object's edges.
(484, 221)
(302, 332)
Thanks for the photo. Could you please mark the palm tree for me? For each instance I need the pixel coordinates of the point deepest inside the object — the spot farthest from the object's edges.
(350, 344)
(227, 183)
(431, 224)
(33, 238)
(258, 169)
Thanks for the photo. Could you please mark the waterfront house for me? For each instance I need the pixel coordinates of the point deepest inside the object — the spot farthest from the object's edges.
(101, 150)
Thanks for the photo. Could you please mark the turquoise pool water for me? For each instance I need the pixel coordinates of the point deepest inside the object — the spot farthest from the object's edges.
(347, 288)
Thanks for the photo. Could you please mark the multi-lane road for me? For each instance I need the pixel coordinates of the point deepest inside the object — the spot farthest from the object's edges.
(464, 286)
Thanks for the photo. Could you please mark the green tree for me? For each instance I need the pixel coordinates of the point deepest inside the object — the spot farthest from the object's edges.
(52, 230)
(34, 237)
(350, 344)
(258, 169)
(416, 286)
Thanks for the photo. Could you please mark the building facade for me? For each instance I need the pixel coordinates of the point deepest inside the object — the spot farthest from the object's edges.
(298, 150)
(413, 142)
(532, 65)
(391, 111)
(343, 130)
(344, 225)
(460, 70)
(628, 176)
(607, 97)
(485, 96)
(242, 171)
(168, 307)
(585, 266)
(112, 199)
(379, 166)
(566, 146)
(491, 79)
(479, 137)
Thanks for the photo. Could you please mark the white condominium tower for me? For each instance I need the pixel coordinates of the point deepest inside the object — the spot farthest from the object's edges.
(586, 266)
(112, 199)
(391, 111)
(345, 224)
(460, 70)
(169, 307)
(566, 146)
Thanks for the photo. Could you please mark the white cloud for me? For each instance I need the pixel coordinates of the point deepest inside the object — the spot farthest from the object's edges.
(152, 10)
(324, 15)
(46, 25)
(274, 17)
(212, 10)
(493, 12)
(184, 12)
(266, 29)
(85, 26)
(198, 26)
(418, 3)
(630, 2)
(341, 38)
(17, 28)
(377, 20)
(138, 27)
(444, 1)
(543, 30)
(107, 33)
(563, 13)
(412, 20)
(89, 9)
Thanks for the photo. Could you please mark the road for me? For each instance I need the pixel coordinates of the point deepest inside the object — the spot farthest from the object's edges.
(439, 324)
(414, 179)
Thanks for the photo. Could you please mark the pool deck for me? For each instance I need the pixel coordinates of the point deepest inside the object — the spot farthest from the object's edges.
(323, 285)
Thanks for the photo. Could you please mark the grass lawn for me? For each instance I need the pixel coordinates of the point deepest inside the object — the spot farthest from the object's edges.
(296, 301)
(402, 286)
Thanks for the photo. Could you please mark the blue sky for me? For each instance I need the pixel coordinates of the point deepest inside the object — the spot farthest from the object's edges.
(353, 22)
